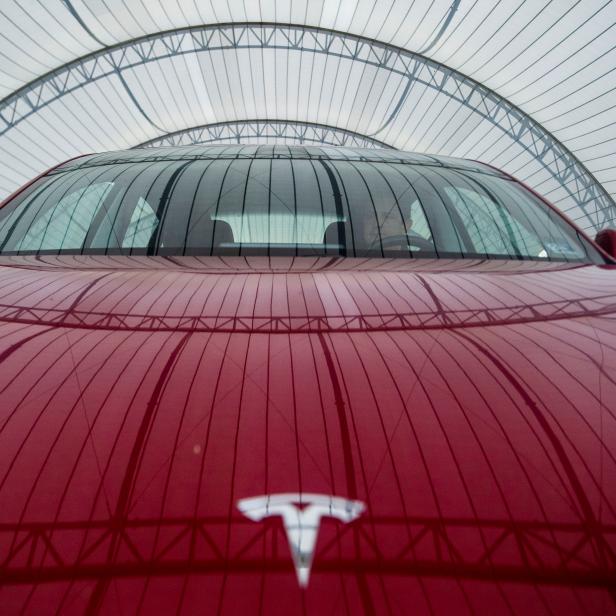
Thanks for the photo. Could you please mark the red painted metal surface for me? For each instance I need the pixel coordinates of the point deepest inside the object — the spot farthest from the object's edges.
(470, 405)
(606, 239)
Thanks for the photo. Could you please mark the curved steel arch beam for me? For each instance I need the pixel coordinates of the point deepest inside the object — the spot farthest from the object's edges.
(240, 130)
(580, 184)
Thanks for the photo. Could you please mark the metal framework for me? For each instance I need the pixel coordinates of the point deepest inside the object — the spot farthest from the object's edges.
(240, 130)
(535, 552)
(562, 165)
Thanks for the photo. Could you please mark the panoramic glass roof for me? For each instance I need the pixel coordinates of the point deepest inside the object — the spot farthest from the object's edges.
(525, 86)
(282, 200)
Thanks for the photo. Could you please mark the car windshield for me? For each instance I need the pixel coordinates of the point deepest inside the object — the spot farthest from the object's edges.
(217, 205)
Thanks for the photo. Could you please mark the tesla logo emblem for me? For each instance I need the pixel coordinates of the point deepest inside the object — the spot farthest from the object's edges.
(301, 515)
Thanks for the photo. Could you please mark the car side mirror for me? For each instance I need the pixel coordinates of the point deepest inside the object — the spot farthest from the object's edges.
(606, 239)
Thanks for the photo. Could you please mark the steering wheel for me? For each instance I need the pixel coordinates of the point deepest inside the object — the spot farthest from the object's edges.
(404, 240)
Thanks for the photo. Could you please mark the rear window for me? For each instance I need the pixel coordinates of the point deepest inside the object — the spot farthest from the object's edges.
(261, 206)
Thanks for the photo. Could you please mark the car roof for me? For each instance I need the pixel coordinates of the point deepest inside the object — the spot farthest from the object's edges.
(309, 152)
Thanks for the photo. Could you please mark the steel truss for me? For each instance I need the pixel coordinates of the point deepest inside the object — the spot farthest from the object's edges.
(562, 165)
(572, 554)
(241, 131)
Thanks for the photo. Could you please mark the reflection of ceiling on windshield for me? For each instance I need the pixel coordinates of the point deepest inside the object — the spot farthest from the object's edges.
(527, 87)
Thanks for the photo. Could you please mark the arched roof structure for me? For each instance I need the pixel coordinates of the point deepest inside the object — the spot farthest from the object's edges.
(527, 87)
(256, 130)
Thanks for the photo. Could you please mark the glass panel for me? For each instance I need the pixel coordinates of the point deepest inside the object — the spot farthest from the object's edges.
(141, 226)
(288, 206)
(418, 222)
(65, 226)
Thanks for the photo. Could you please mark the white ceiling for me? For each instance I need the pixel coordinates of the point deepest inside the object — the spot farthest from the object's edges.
(555, 60)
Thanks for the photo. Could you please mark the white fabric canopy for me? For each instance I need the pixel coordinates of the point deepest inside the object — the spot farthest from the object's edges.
(527, 86)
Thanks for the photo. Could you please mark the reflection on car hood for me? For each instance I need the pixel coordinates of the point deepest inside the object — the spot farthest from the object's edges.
(302, 294)
(465, 410)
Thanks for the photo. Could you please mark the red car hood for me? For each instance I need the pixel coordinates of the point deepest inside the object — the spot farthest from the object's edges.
(467, 409)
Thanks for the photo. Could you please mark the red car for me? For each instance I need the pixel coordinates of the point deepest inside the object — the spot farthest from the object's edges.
(302, 380)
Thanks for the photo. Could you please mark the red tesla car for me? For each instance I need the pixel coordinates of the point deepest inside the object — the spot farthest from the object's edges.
(302, 380)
